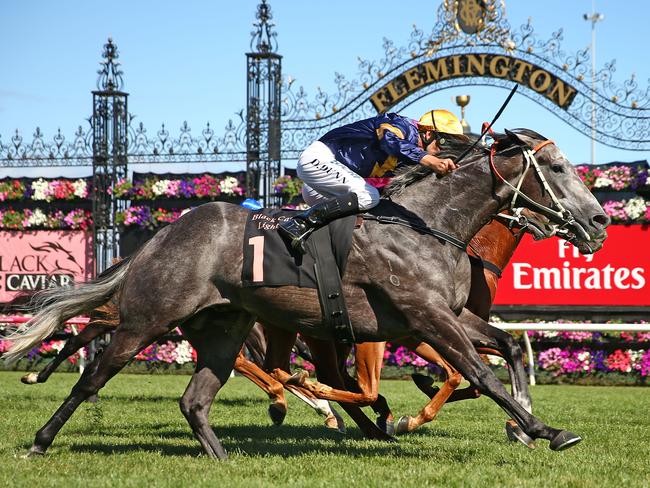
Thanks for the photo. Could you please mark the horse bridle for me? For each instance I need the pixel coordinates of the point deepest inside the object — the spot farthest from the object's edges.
(557, 212)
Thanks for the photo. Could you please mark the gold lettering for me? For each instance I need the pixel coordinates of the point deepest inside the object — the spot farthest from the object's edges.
(521, 66)
(414, 78)
(474, 66)
(380, 100)
(436, 72)
(392, 89)
(455, 61)
(562, 94)
(546, 82)
(499, 66)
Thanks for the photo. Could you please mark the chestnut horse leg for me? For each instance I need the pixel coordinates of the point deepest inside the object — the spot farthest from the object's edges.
(363, 352)
(273, 388)
(327, 367)
(276, 362)
(431, 409)
(369, 362)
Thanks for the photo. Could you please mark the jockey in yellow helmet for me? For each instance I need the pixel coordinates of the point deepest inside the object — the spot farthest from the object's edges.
(341, 170)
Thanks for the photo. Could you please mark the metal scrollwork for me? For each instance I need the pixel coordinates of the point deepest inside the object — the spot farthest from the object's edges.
(622, 109)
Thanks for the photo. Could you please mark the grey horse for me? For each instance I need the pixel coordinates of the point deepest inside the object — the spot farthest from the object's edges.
(189, 275)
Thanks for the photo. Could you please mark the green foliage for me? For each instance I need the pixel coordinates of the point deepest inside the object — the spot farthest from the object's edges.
(136, 436)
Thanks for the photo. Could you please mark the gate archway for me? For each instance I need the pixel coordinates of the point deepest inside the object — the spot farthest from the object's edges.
(472, 44)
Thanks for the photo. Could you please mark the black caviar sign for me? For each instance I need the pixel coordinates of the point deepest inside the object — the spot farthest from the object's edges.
(474, 65)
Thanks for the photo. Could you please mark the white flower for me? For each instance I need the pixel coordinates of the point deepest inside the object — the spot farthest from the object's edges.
(160, 187)
(39, 187)
(227, 184)
(37, 218)
(183, 352)
(603, 182)
(80, 188)
(58, 345)
(635, 208)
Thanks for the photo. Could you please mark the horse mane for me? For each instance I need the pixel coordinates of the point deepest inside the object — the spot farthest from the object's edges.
(454, 147)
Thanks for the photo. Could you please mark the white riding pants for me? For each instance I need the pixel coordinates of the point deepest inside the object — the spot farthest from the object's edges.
(324, 177)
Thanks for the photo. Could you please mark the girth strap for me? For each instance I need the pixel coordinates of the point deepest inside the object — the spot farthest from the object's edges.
(491, 267)
(417, 227)
(330, 288)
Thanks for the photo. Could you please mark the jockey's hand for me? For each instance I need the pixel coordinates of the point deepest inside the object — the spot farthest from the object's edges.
(439, 166)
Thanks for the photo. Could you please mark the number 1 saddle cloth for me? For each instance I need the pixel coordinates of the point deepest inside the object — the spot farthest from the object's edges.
(269, 259)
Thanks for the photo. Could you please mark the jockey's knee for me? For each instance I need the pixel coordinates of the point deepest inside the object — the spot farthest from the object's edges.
(368, 197)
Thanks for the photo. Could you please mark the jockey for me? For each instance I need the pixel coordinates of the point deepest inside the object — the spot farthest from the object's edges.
(342, 170)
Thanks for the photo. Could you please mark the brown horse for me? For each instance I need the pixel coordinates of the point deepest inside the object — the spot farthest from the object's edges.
(202, 252)
(492, 248)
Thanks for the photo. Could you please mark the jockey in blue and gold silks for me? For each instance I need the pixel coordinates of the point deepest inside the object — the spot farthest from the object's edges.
(342, 169)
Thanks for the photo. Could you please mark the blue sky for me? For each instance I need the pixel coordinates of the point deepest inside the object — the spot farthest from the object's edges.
(185, 61)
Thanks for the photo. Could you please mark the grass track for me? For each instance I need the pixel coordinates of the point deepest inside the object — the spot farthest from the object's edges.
(136, 436)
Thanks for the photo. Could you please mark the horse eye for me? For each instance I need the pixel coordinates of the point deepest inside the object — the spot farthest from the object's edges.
(557, 168)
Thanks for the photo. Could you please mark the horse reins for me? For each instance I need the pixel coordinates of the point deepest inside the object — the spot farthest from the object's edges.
(423, 229)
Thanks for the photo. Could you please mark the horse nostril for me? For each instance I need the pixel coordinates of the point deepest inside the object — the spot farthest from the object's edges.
(600, 220)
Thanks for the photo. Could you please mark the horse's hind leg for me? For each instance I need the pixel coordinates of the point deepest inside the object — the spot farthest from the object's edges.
(273, 388)
(72, 345)
(217, 341)
(125, 344)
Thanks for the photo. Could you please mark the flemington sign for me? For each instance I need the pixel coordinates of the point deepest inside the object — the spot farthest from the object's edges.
(469, 66)
(31, 261)
(553, 272)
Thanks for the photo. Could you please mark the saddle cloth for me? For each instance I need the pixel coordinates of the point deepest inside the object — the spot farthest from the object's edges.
(269, 259)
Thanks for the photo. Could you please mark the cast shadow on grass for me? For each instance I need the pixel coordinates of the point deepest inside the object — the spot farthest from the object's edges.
(286, 441)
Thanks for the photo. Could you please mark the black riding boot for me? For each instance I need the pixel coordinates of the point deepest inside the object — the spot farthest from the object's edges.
(297, 228)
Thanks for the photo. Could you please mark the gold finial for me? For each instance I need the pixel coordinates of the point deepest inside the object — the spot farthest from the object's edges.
(462, 101)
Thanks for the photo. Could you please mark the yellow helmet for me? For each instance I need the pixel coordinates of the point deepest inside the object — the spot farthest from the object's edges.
(440, 121)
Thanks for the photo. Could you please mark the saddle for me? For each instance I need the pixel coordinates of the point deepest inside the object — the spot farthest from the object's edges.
(270, 261)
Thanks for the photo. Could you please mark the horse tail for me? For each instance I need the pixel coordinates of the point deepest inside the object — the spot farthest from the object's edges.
(56, 305)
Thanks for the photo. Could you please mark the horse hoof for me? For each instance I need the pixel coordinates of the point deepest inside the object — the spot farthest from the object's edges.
(387, 426)
(564, 440)
(277, 413)
(514, 433)
(335, 423)
(33, 452)
(30, 378)
(403, 425)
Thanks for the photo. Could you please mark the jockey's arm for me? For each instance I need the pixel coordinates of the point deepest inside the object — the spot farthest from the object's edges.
(394, 142)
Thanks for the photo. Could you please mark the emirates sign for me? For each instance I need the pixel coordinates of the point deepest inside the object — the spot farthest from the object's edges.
(553, 272)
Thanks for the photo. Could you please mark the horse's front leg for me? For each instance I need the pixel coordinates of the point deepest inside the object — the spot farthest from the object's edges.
(431, 409)
(437, 325)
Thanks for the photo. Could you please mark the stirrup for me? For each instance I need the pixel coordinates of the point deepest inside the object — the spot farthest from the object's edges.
(298, 243)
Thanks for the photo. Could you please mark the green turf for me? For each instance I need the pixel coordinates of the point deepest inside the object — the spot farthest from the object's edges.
(136, 436)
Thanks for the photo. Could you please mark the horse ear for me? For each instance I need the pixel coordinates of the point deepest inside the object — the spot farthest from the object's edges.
(515, 138)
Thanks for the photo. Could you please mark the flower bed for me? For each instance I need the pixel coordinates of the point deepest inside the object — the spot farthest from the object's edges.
(27, 219)
(634, 210)
(61, 189)
(615, 177)
(288, 187)
(154, 188)
(146, 217)
(560, 356)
